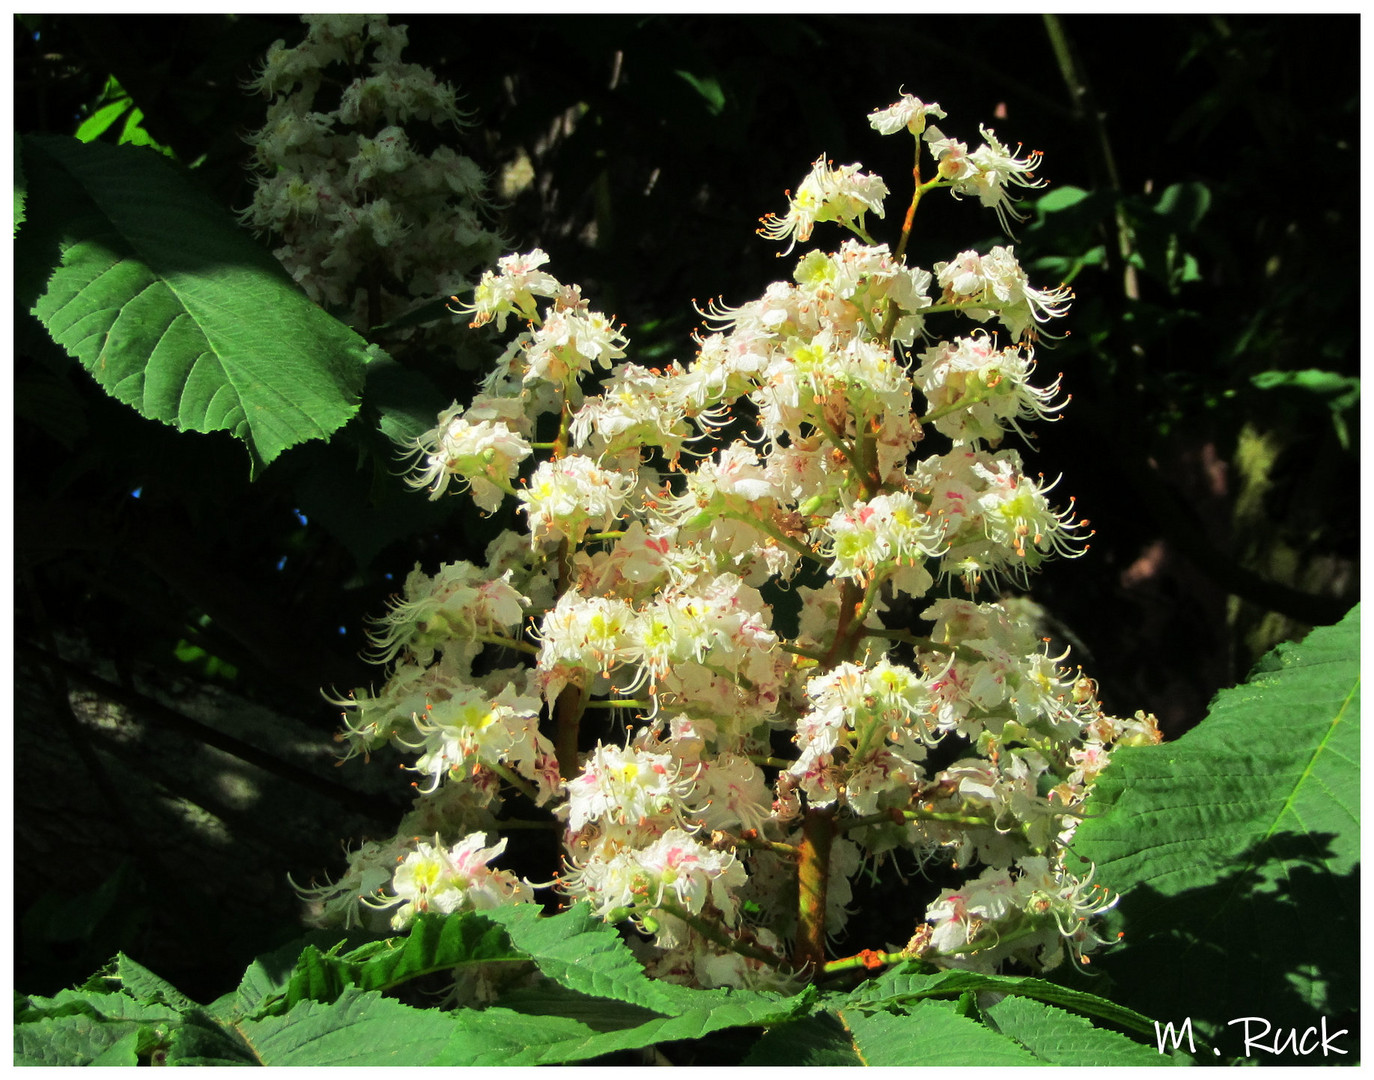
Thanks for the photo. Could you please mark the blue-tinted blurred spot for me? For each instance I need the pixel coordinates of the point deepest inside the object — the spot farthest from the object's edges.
(300, 517)
(281, 563)
(343, 630)
(136, 493)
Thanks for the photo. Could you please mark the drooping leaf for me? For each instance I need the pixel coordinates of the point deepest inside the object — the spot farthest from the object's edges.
(1236, 848)
(906, 984)
(433, 943)
(171, 307)
(266, 980)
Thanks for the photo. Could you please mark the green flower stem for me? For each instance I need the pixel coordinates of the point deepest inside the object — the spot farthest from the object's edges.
(612, 534)
(560, 442)
(918, 190)
(725, 673)
(768, 528)
(516, 781)
(795, 651)
(838, 440)
(508, 643)
(859, 231)
(868, 959)
(895, 816)
(894, 312)
(978, 393)
(771, 762)
(712, 932)
(725, 841)
(619, 703)
(870, 596)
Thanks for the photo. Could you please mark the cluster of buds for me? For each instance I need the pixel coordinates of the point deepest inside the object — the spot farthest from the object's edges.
(724, 568)
(377, 215)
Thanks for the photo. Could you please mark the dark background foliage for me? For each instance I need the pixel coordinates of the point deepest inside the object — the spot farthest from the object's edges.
(1212, 438)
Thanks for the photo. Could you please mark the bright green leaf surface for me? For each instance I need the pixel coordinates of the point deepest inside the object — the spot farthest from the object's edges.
(112, 1007)
(143, 986)
(583, 953)
(433, 944)
(1061, 1038)
(930, 1033)
(78, 1039)
(173, 309)
(358, 1029)
(1236, 848)
(121, 1054)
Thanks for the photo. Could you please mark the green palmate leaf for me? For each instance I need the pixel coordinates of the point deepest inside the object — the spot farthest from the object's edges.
(607, 1002)
(544, 1029)
(583, 953)
(1012, 1031)
(143, 986)
(1061, 1038)
(1236, 848)
(360, 1028)
(929, 1033)
(809, 1041)
(171, 307)
(265, 984)
(200, 1039)
(116, 1008)
(905, 984)
(123, 1052)
(78, 1039)
(434, 943)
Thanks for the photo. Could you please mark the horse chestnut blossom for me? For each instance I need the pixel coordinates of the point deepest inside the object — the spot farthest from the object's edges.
(741, 645)
(827, 193)
(370, 224)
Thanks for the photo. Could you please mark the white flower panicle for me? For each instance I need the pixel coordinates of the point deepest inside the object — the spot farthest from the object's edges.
(716, 557)
(370, 226)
